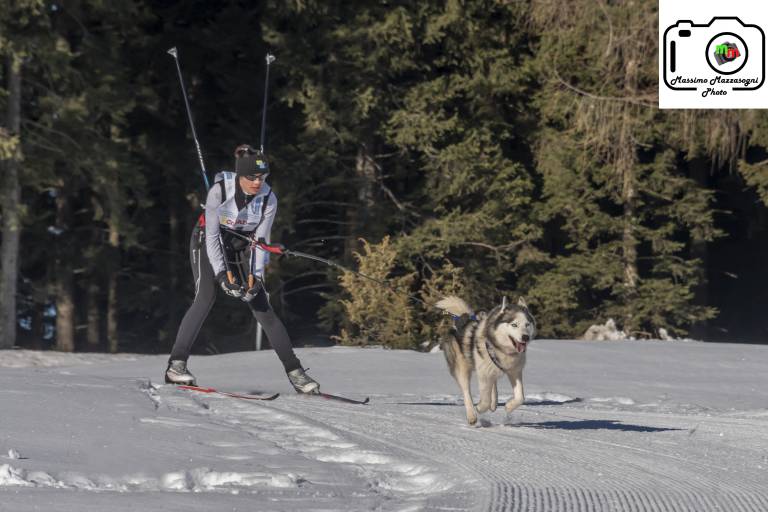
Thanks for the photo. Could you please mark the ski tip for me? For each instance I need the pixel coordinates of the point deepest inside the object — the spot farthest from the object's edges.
(251, 397)
(338, 398)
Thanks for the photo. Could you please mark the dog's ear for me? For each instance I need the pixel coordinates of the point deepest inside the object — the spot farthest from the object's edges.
(503, 304)
(521, 303)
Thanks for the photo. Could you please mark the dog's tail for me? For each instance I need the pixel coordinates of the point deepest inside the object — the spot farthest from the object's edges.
(454, 306)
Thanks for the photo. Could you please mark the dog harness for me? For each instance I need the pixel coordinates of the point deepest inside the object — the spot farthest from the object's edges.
(492, 353)
(461, 321)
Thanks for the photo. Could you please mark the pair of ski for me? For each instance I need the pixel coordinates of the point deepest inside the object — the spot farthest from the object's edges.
(270, 396)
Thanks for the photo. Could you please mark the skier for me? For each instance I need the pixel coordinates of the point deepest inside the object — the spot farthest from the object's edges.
(239, 202)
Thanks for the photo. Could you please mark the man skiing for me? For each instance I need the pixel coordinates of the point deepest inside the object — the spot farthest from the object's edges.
(240, 206)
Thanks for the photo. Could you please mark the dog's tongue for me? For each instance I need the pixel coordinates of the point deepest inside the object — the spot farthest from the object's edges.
(520, 346)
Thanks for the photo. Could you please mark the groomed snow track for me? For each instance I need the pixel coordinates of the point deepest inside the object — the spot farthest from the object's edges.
(566, 458)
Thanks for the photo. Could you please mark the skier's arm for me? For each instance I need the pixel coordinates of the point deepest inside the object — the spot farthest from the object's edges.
(263, 231)
(212, 231)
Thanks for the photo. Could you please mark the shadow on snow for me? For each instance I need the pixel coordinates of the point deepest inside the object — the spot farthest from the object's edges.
(591, 425)
(500, 404)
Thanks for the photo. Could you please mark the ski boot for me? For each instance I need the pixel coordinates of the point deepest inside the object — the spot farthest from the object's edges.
(302, 382)
(177, 373)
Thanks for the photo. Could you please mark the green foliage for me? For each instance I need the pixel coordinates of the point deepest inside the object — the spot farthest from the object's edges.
(755, 123)
(377, 315)
(9, 145)
(756, 175)
(386, 315)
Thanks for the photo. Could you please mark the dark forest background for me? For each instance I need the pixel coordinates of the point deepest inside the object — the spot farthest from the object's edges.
(483, 148)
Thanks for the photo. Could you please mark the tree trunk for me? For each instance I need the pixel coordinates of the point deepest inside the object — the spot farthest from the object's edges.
(699, 171)
(629, 220)
(358, 215)
(629, 244)
(113, 266)
(93, 325)
(11, 216)
(627, 160)
(65, 311)
(176, 254)
(64, 283)
(112, 338)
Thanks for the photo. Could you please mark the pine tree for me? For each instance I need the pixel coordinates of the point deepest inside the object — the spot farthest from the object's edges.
(20, 25)
(621, 210)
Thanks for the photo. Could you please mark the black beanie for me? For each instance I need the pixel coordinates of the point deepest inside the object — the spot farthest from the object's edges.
(249, 161)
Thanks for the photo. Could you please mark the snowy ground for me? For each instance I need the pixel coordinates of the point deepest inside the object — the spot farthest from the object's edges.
(620, 426)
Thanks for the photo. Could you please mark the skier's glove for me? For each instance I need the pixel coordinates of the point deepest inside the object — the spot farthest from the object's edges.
(231, 289)
(254, 290)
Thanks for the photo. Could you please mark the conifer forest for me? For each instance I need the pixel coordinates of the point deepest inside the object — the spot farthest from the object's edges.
(481, 148)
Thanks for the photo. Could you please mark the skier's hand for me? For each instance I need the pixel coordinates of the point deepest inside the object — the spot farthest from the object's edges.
(254, 290)
(233, 289)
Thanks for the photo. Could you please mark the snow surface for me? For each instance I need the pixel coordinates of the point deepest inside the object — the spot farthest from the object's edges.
(608, 426)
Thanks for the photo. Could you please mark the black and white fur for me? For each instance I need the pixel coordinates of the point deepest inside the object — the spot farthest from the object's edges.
(507, 329)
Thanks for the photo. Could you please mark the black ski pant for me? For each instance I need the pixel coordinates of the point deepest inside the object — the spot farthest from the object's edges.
(205, 295)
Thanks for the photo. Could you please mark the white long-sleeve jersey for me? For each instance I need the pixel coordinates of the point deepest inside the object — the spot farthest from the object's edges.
(222, 213)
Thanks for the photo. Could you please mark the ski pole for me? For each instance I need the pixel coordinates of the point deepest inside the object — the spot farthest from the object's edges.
(173, 52)
(251, 279)
(270, 59)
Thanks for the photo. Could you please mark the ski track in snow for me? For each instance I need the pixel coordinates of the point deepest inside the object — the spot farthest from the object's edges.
(523, 464)
(194, 480)
(560, 452)
(388, 472)
(529, 466)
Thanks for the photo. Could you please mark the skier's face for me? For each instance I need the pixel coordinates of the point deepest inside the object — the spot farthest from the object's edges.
(252, 184)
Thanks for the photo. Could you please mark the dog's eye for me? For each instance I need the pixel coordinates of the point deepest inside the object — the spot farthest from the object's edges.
(514, 324)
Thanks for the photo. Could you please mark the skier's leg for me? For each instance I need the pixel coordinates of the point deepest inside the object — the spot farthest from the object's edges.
(275, 330)
(205, 296)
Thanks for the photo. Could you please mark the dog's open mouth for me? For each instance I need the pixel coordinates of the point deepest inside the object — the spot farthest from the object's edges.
(520, 346)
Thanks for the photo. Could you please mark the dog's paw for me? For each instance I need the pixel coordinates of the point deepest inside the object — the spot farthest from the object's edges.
(483, 406)
(511, 405)
(512, 421)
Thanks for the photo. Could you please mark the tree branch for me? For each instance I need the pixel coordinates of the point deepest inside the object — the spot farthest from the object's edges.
(323, 221)
(309, 287)
(635, 100)
(51, 130)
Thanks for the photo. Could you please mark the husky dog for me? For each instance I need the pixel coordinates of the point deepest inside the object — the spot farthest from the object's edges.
(492, 344)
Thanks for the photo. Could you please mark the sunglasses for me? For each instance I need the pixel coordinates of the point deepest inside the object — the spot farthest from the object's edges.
(257, 177)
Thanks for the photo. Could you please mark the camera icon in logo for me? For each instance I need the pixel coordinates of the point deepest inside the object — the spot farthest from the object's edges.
(724, 53)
